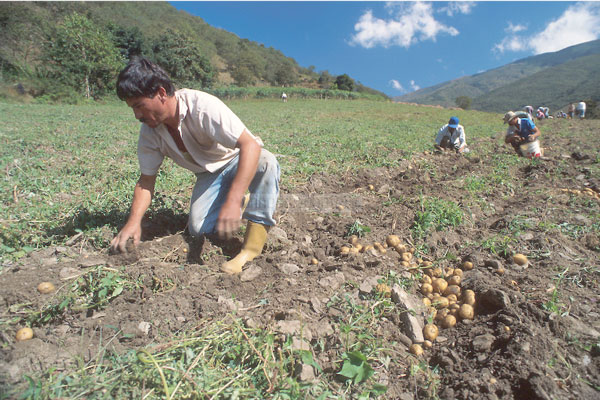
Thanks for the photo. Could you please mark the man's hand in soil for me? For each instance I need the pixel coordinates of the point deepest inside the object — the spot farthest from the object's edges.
(229, 220)
(119, 243)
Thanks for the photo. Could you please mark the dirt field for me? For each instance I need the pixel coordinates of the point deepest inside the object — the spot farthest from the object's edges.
(536, 329)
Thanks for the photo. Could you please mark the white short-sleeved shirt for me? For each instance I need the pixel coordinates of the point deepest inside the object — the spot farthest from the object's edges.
(208, 128)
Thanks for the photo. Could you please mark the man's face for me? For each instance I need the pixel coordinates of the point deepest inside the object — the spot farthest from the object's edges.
(451, 130)
(148, 110)
(513, 122)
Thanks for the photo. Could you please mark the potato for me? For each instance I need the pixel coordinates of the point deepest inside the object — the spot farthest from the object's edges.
(448, 271)
(437, 272)
(383, 290)
(392, 240)
(400, 248)
(371, 187)
(344, 250)
(353, 240)
(426, 279)
(405, 264)
(24, 334)
(430, 332)
(468, 297)
(458, 272)
(426, 301)
(452, 298)
(452, 289)
(467, 266)
(500, 271)
(441, 302)
(439, 285)
(427, 344)
(441, 314)
(449, 321)
(366, 248)
(454, 280)
(379, 247)
(407, 256)
(416, 349)
(427, 264)
(46, 287)
(359, 247)
(520, 259)
(354, 250)
(426, 288)
(466, 311)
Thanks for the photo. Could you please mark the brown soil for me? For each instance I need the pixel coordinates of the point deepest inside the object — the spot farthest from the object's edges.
(514, 349)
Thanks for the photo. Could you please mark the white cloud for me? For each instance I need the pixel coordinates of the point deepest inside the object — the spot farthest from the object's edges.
(412, 23)
(511, 28)
(458, 7)
(578, 24)
(414, 86)
(396, 85)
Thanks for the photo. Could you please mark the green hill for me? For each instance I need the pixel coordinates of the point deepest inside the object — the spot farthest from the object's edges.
(30, 33)
(550, 79)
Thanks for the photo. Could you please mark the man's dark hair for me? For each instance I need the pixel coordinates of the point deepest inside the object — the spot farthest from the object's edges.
(142, 78)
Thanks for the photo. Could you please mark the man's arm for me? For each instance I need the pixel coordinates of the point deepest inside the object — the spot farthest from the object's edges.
(536, 133)
(142, 198)
(230, 214)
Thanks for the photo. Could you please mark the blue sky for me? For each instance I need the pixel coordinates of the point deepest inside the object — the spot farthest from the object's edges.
(399, 47)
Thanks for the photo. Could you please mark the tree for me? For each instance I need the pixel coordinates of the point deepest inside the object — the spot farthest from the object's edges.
(130, 41)
(285, 75)
(82, 56)
(463, 102)
(344, 82)
(182, 59)
(325, 79)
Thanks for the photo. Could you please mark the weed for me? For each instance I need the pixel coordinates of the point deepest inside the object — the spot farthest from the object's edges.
(358, 229)
(554, 305)
(435, 214)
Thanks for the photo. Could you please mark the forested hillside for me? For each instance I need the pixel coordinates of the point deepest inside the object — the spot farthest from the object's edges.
(550, 79)
(71, 49)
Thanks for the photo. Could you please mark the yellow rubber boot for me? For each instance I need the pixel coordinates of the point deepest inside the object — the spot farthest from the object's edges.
(254, 241)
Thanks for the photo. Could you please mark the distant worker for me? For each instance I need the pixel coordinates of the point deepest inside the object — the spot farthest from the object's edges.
(452, 137)
(284, 97)
(522, 135)
(571, 110)
(529, 110)
(581, 110)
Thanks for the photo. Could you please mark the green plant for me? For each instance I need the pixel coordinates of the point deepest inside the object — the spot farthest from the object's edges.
(358, 229)
(554, 305)
(435, 214)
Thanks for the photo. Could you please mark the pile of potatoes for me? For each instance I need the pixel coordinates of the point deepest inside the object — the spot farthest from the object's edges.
(446, 302)
(587, 191)
(391, 242)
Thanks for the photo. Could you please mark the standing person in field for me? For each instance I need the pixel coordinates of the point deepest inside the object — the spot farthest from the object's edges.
(284, 97)
(200, 133)
(452, 136)
(581, 110)
(571, 110)
(522, 135)
(529, 110)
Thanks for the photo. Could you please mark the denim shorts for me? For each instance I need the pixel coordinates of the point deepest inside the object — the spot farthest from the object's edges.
(211, 190)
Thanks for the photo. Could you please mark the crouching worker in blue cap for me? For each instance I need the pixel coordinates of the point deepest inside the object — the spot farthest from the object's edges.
(452, 137)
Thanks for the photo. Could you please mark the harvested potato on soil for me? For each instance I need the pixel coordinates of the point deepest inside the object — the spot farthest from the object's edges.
(466, 311)
(427, 344)
(400, 248)
(314, 261)
(430, 332)
(458, 272)
(454, 280)
(426, 301)
(452, 289)
(439, 285)
(383, 289)
(426, 288)
(392, 240)
(416, 349)
(344, 250)
(449, 321)
(24, 334)
(46, 287)
(426, 279)
(520, 259)
(467, 266)
(407, 256)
